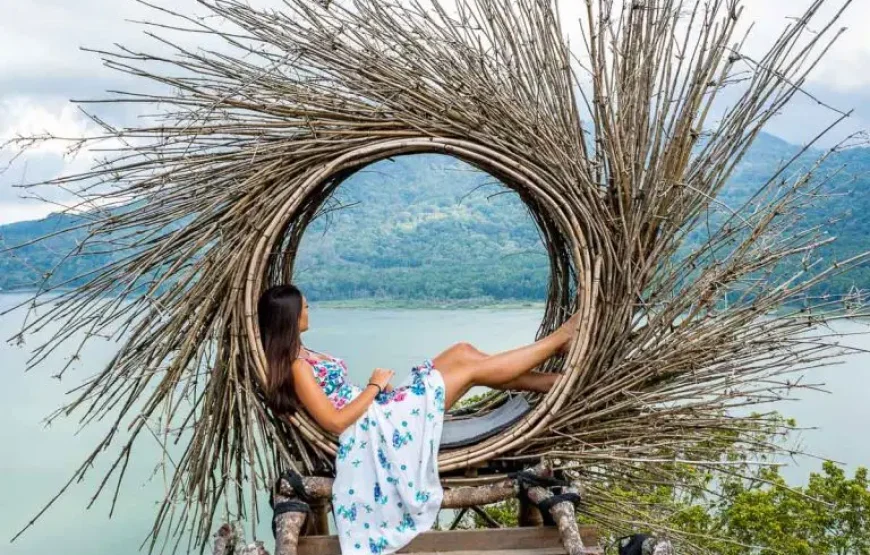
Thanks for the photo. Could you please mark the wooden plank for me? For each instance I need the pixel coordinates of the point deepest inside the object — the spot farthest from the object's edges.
(589, 535)
(543, 551)
(457, 542)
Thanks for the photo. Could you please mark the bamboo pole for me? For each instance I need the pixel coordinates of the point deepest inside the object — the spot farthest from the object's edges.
(691, 308)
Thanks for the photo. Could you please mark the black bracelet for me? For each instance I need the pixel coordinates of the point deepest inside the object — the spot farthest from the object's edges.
(376, 385)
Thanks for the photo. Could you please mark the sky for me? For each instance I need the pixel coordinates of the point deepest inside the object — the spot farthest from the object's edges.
(42, 67)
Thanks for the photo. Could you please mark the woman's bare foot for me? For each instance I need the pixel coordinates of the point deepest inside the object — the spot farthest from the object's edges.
(568, 330)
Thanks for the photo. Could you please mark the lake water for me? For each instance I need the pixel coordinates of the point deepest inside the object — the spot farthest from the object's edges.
(37, 461)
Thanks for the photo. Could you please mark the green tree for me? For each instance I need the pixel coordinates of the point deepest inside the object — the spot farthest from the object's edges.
(748, 510)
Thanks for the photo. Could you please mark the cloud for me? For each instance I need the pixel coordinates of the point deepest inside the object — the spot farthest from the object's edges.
(46, 68)
(22, 117)
(840, 79)
(47, 41)
(844, 67)
(44, 160)
(45, 37)
(11, 212)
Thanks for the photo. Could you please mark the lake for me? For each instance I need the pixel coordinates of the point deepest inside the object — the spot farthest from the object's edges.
(37, 461)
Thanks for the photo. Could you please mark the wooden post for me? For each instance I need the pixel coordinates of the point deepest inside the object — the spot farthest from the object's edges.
(225, 540)
(256, 548)
(575, 540)
(318, 524)
(287, 528)
(566, 520)
(529, 515)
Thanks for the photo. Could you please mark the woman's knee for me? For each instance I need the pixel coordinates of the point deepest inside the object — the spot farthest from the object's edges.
(458, 361)
(459, 354)
(469, 350)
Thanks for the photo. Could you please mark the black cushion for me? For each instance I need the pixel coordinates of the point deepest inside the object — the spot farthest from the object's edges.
(461, 432)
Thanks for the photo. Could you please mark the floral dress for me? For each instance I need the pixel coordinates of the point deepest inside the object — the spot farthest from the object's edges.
(386, 488)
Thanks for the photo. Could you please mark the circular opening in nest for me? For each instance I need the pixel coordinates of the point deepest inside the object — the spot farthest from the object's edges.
(415, 228)
(570, 281)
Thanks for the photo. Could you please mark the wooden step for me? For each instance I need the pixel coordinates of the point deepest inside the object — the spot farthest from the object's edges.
(542, 551)
(535, 540)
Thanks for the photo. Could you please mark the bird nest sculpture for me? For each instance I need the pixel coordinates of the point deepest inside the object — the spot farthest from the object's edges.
(618, 148)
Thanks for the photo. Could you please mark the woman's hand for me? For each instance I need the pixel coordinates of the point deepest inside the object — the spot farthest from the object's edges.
(382, 376)
(315, 401)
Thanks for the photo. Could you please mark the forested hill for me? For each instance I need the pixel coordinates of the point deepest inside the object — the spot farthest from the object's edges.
(428, 227)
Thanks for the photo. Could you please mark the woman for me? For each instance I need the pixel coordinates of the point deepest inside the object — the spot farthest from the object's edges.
(387, 489)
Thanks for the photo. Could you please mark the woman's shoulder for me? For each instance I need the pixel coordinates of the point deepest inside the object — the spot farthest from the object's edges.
(302, 362)
(315, 356)
(310, 359)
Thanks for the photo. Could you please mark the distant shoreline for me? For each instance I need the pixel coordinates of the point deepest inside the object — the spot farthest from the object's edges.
(408, 304)
(370, 303)
(445, 304)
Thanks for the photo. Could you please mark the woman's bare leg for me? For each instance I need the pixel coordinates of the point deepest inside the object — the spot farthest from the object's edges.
(462, 366)
(539, 382)
(505, 368)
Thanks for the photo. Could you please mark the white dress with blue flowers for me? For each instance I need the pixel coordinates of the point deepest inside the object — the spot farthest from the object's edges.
(386, 488)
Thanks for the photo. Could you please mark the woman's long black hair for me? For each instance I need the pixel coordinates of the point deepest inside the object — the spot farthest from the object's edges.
(278, 312)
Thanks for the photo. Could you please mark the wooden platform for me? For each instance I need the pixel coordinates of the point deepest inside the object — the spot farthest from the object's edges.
(536, 540)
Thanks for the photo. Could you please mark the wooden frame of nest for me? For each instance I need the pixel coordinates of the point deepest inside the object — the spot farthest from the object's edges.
(270, 264)
(691, 309)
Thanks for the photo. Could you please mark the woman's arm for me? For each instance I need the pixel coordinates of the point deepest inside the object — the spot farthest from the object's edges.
(321, 408)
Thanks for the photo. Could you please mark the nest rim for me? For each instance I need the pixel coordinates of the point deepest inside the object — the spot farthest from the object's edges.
(495, 163)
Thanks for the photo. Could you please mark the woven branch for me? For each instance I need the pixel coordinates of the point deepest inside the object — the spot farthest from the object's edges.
(612, 146)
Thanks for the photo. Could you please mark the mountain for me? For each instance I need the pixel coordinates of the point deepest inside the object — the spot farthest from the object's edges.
(430, 227)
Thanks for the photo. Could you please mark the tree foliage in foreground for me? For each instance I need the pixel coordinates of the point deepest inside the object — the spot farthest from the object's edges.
(748, 510)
